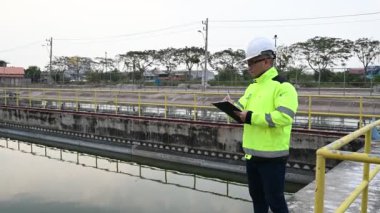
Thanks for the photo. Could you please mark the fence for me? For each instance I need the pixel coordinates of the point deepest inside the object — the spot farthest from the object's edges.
(331, 151)
(315, 111)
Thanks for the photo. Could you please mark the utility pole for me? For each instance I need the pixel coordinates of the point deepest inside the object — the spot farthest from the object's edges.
(77, 75)
(50, 44)
(275, 41)
(106, 64)
(275, 46)
(204, 75)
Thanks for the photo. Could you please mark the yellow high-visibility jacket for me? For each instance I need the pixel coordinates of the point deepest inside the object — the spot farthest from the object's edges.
(272, 105)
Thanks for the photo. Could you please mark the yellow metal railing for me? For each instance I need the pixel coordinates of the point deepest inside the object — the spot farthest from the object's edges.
(192, 101)
(331, 151)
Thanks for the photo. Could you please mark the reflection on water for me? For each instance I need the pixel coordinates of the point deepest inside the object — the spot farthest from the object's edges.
(37, 178)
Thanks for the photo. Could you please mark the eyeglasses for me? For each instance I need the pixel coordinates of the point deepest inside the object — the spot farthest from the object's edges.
(251, 62)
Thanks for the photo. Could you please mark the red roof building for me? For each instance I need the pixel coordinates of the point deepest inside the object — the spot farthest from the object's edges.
(357, 71)
(12, 76)
(13, 72)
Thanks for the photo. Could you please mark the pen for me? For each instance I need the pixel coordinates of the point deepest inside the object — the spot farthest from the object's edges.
(229, 97)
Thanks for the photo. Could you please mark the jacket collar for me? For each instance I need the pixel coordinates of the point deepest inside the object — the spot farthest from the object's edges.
(267, 75)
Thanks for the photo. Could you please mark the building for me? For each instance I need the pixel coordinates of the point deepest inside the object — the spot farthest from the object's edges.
(197, 74)
(356, 71)
(11, 76)
(372, 71)
(176, 75)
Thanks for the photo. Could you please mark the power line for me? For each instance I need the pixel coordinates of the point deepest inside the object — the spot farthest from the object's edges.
(134, 34)
(297, 25)
(142, 36)
(279, 26)
(22, 46)
(301, 18)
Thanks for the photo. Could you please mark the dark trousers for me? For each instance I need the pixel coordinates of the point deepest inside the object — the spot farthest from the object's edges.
(266, 181)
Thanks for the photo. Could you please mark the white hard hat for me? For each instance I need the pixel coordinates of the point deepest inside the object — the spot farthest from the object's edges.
(260, 46)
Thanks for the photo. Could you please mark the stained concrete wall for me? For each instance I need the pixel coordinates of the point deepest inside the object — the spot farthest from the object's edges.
(211, 137)
(215, 137)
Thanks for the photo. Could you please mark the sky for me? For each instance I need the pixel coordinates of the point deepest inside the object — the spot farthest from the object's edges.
(96, 28)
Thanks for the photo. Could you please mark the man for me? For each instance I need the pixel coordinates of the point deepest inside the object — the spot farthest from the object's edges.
(268, 108)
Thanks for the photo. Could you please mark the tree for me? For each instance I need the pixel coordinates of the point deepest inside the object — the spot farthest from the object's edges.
(296, 74)
(78, 66)
(105, 65)
(168, 58)
(321, 52)
(60, 64)
(226, 62)
(65, 68)
(366, 50)
(284, 57)
(140, 61)
(115, 75)
(190, 56)
(227, 59)
(93, 77)
(324, 75)
(34, 73)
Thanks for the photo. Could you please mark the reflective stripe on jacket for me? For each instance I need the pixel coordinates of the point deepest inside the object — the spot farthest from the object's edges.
(273, 105)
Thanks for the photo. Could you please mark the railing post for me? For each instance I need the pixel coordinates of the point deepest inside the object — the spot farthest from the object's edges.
(166, 105)
(94, 102)
(59, 100)
(44, 98)
(367, 150)
(195, 107)
(5, 97)
(17, 97)
(30, 98)
(139, 104)
(76, 101)
(116, 102)
(309, 113)
(319, 184)
(361, 112)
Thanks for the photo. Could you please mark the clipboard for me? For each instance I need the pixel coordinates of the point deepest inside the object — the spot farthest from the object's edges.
(229, 109)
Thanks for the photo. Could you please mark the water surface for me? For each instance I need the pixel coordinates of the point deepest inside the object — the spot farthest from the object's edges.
(36, 178)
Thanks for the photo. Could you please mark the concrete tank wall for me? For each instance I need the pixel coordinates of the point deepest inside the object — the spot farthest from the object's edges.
(214, 137)
(197, 135)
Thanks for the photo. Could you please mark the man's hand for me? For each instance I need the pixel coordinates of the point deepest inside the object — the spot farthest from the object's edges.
(228, 98)
(242, 115)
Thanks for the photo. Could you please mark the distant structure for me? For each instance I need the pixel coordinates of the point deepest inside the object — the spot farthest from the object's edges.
(356, 71)
(3, 63)
(372, 71)
(11, 76)
(176, 75)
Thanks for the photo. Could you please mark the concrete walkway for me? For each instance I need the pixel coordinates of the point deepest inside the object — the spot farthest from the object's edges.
(340, 182)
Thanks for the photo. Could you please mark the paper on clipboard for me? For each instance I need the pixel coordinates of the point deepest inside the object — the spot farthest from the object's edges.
(229, 109)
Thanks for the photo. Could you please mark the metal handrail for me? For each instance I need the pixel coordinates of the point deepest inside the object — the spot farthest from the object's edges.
(139, 99)
(331, 151)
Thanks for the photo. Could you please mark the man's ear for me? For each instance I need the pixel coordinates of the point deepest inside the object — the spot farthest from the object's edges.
(268, 62)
